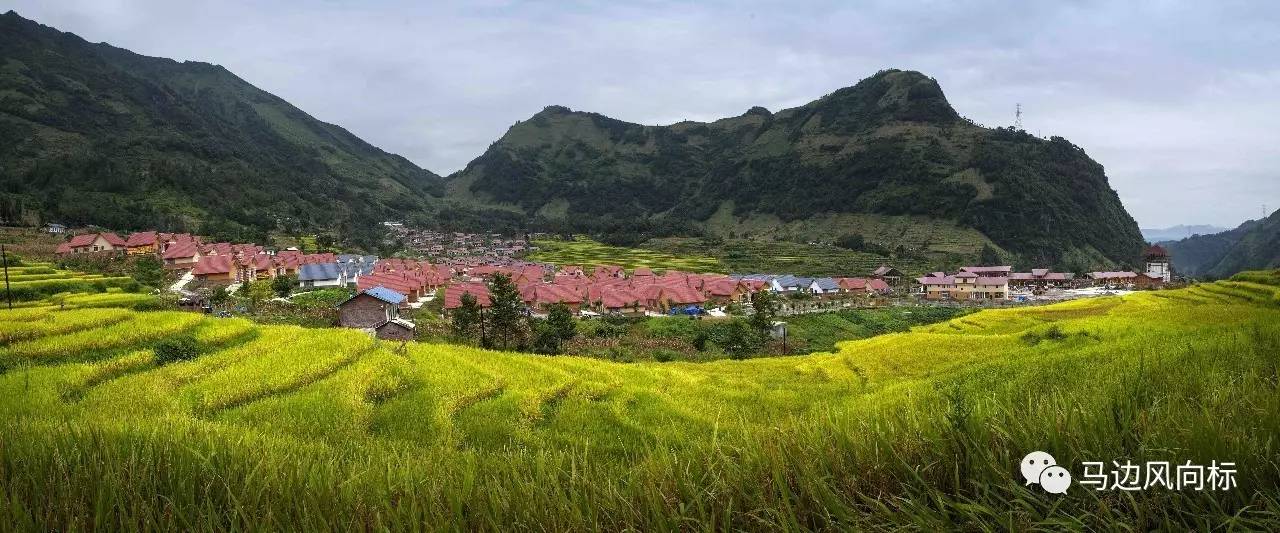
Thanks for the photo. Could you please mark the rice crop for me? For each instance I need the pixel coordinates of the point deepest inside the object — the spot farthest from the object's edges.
(279, 427)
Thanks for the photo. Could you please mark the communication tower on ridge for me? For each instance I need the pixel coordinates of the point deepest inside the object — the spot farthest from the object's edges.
(1017, 117)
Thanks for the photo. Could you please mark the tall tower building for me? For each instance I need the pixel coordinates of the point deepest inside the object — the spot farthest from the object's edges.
(1158, 262)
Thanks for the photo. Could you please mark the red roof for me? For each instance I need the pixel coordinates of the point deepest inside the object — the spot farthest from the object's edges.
(683, 295)
(453, 294)
(936, 279)
(181, 250)
(617, 298)
(721, 287)
(289, 259)
(258, 262)
(220, 248)
(87, 239)
(213, 264)
(114, 239)
(64, 248)
(853, 284)
(142, 238)
(546, 293)
(319, 258)
(1155, 250)
(399, 284)
(987, 269)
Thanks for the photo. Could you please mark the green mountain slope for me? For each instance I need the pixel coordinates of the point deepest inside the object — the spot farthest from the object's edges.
(1253, 245)
(889, 148)
(90, 133)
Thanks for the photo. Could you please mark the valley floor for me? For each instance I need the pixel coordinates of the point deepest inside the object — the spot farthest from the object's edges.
(279, 427)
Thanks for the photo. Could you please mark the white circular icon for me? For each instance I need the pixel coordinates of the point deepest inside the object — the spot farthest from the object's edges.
(1055, 480)
(1034, 463)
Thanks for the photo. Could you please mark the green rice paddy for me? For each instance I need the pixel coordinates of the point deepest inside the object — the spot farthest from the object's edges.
(589, 254)
(285, 428)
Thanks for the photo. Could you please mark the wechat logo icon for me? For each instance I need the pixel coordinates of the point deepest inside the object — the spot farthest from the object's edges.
(1041, 468)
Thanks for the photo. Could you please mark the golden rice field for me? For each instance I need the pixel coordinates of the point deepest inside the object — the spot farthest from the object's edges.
(278, 427)
(32, 282)
(589, 254)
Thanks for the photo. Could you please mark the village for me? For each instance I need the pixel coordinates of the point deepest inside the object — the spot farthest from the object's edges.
(383, 289)
(456, 245)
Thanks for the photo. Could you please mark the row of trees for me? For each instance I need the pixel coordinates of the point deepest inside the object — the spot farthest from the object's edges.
(507, 325)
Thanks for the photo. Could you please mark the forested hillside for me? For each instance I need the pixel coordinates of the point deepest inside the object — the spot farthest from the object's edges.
(888, 146)
(1251, 246)
(90, 133)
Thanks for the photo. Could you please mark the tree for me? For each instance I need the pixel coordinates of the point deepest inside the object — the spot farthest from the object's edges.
(507, 327)
(148, 270)
(257, 292)
(546, 339)
(560, 320)
(324, 242)
(765, 306)
(218, 296)
(176, 348)
(737, 338)
(988, 256)
(283, 285)
(851, 241)
(467, 317)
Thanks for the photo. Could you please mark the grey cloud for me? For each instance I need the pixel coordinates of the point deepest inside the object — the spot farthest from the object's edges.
(1176, 99)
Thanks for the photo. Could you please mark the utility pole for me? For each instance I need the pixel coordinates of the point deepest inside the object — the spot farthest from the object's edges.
(8, 296)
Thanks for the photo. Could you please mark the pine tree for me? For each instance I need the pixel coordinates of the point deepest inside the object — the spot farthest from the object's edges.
(560, 320)
(467, 317)
(765, 306)
(507, 327)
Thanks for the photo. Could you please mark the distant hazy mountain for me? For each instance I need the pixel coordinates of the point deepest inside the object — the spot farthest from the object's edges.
(1253, 245)
(94, 134)
(1181, 231)
(888, 150)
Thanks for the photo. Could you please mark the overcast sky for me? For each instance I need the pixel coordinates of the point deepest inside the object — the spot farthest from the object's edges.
(1180, 101)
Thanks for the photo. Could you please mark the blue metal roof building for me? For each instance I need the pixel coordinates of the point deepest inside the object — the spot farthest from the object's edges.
(385, 294)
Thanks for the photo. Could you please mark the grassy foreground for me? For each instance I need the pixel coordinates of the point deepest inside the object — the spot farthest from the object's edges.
(278, 427)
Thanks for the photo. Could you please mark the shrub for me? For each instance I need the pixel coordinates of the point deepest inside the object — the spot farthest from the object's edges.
(664, 356)
(177, 348)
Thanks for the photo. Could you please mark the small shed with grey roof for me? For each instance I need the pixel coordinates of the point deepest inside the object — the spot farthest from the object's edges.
(397, 329)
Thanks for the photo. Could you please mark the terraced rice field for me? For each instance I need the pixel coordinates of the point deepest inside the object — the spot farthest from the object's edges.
(36, 281)
(742, 255)
(277, 427)
(589, 254)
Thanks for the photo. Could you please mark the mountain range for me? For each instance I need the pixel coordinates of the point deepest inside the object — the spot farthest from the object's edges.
(90, 133)
(1253, 245)
(886, 149)
(94, 134)
(1180, 231)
